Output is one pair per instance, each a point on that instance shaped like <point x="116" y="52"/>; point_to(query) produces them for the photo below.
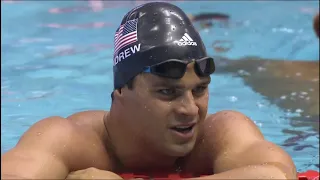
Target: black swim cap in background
<point x="152" y="33"/>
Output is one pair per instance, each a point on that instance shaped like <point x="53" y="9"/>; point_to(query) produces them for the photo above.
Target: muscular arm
<point x="243" y="153"/>
<point x="51" y="149"/>
<point x="39" y="153"/>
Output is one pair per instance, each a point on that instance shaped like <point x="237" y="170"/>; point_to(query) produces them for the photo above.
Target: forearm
<point x="32" y="164"/>
<point x="253" y="172"/>
<point x="93" y="173"/>
<point x="8" y="176"/>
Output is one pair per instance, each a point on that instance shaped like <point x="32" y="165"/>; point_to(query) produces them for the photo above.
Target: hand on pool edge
<point x="93" y="173"/>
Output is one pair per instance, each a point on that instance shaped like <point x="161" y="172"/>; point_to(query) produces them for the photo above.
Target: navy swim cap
<point x="152" y="33"/>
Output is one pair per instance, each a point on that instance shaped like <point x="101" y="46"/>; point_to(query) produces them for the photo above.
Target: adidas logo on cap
<point x="186" y="40"/>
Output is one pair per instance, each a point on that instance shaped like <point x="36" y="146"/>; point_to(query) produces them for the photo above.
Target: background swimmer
<point x="297" y="82"/>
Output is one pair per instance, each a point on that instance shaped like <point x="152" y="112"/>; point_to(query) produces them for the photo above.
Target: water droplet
<point x="39" y="133"/>
<point x="271" y="148"/>
<point x="64" y="146"/>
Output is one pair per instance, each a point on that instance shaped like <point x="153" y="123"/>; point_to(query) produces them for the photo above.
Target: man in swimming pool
<point x="158" y="121"/>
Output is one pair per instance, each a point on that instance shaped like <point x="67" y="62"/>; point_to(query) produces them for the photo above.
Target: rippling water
<point x="56" y="59"/>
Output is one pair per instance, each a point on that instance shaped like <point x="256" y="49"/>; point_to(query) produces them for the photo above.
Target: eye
<point x="199" y="90"/>
<point x="168" y="92"/>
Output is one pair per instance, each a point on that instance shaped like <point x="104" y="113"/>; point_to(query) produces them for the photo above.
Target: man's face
<point x="165" y="113"/>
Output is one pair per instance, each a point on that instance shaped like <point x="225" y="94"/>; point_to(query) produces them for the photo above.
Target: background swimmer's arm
<point x="242" y="152"/>
<point x="41" y="153"/>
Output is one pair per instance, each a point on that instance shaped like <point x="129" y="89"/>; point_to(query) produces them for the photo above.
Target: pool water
<point x="56" y="59"/>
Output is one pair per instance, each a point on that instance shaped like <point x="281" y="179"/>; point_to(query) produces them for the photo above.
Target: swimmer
<point x="292" y="85"/>
<point x="158" y="121"/>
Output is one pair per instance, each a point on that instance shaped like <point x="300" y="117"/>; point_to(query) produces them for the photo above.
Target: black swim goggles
<point x="176" y="69"/>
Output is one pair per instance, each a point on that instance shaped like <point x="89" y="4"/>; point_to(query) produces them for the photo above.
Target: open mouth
<point x="183" y="129"/>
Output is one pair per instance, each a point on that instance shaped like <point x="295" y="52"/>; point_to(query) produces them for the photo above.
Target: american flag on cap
<point x="126" y="35"/>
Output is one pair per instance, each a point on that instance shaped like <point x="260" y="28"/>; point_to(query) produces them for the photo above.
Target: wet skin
<point x="93" y="144"/>
<point x="92" y="140"/>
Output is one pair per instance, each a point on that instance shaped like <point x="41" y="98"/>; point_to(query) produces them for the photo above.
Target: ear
<point x="117" y="95"/>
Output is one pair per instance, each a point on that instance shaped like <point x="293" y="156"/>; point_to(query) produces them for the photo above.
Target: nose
<point x="187" y="106"/>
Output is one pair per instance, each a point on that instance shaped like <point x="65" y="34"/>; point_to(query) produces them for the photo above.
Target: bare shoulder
<point x="90" y="120"/>
<point x="228" y="126"/>
<point x="237" y="141"/>
<point x="70" y="139"/>
<point x="85" y="116"/>
<point x="228" y="119"/>
<point x="217" y="134"/>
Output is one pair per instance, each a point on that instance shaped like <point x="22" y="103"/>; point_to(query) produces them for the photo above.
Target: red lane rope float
<point x="308" y="175"/>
